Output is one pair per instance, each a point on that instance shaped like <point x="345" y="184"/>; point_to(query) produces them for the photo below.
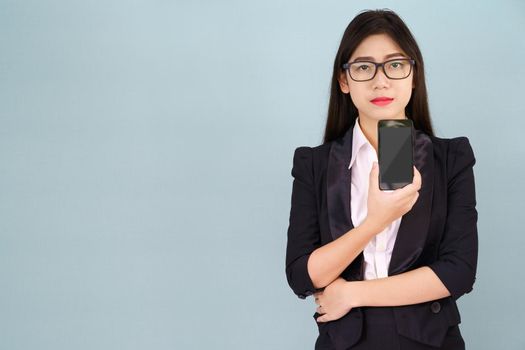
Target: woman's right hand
<point x="385" y="207"/>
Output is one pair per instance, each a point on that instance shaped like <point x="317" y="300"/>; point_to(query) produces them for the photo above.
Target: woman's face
<point x="378" y="48"/>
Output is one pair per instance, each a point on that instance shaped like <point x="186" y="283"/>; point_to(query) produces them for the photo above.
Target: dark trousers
<point x="379" y="333"/>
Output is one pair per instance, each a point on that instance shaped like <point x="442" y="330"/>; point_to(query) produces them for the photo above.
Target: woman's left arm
<point x="412" y="287"/>
<point x="454" y="272"/>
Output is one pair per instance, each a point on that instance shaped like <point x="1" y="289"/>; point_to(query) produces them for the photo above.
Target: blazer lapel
<point x="414" y="225"/>
<point x="413" y="230"/>
<point x="338" y="182"/>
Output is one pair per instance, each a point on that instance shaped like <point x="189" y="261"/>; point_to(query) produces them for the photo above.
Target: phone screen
<point x="395" y="153"/>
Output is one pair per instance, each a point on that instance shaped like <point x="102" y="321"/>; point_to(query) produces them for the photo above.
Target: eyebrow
<point x="369" y="58"/>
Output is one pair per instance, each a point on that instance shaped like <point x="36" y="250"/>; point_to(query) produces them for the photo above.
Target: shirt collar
<point x="358" y="140"/>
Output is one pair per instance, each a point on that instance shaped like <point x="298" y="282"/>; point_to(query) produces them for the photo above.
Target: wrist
<point x="353" y="293"/>
<point x="371" y="226"/>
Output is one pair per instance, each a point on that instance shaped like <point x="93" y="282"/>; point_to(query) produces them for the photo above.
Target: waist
<point x="378" y="315"/>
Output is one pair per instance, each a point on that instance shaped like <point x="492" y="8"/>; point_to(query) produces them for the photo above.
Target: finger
<point x="414" y="186"/>
<point x="323" y="318"/>
<point x="404" y="193"/>
<point x="414" y="200"/>
<point x="417" y="179"/>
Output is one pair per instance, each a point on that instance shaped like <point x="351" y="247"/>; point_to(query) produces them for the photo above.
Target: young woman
<point x="385" y="267"/>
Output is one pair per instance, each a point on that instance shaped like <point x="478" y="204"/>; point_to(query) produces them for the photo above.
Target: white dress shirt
<point x="378" y="251"/>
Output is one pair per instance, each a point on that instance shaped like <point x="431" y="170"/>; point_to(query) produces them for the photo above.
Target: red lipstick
<point x="382" y="101"/>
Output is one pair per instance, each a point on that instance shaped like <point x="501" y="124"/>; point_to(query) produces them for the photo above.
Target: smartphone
<point x="395" y="153"/>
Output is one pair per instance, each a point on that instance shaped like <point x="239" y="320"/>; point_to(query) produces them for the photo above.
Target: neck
<point x="369" y="128"/>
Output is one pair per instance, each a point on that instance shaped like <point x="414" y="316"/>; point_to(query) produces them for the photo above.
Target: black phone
<point x="395" y="153"/>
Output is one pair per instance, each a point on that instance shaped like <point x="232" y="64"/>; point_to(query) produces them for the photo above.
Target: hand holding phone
<point x="384" y="207"/>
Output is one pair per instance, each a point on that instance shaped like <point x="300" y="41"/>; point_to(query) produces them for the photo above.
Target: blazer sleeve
<point x="458" y="250"/>
<point x="303" y="229"/>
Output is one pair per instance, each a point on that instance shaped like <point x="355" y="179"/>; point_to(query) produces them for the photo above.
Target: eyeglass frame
<point x="412" y="62"/>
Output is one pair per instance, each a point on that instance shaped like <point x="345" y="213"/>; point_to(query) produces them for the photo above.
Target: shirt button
<point x="381" y="246"/>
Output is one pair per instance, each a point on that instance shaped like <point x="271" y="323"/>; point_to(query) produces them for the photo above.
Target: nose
<point x="381" y="79"/>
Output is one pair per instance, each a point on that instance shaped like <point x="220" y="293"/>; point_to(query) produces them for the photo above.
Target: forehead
<point x="378" y="47"/>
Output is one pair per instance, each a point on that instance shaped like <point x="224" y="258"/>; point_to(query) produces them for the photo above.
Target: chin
<point x="392" y="114"/>
<point x="387" y="115"/>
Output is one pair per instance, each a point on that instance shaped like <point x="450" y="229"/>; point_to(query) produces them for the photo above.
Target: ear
<point x="343" y="83"/>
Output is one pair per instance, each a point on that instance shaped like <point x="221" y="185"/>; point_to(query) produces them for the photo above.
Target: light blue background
<point x="145" y="157"/>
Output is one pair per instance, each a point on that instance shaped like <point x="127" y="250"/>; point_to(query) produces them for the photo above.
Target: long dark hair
<point x="342" y="112"/>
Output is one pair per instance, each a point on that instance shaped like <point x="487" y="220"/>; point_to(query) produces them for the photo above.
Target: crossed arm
<point x="326" y="263"/>
<point x="412" y="287"/>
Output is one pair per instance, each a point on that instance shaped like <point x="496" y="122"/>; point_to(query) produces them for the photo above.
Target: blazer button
<point x="435" y="307"/>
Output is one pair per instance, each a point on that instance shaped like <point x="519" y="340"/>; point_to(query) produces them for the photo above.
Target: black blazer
<point x="440" y="231"/>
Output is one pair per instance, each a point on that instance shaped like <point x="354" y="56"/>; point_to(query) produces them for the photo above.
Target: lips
<point x="382" y="99"/>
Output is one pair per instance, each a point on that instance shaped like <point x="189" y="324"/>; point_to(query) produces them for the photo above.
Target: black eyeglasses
<point x="399" y="68"/>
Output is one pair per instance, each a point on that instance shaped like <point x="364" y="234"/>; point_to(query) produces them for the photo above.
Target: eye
<point x="364" y="67"/>
<point x="396" y="65"/>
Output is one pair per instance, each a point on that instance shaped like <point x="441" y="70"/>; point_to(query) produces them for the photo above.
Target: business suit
<point x="440" y="231"/>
